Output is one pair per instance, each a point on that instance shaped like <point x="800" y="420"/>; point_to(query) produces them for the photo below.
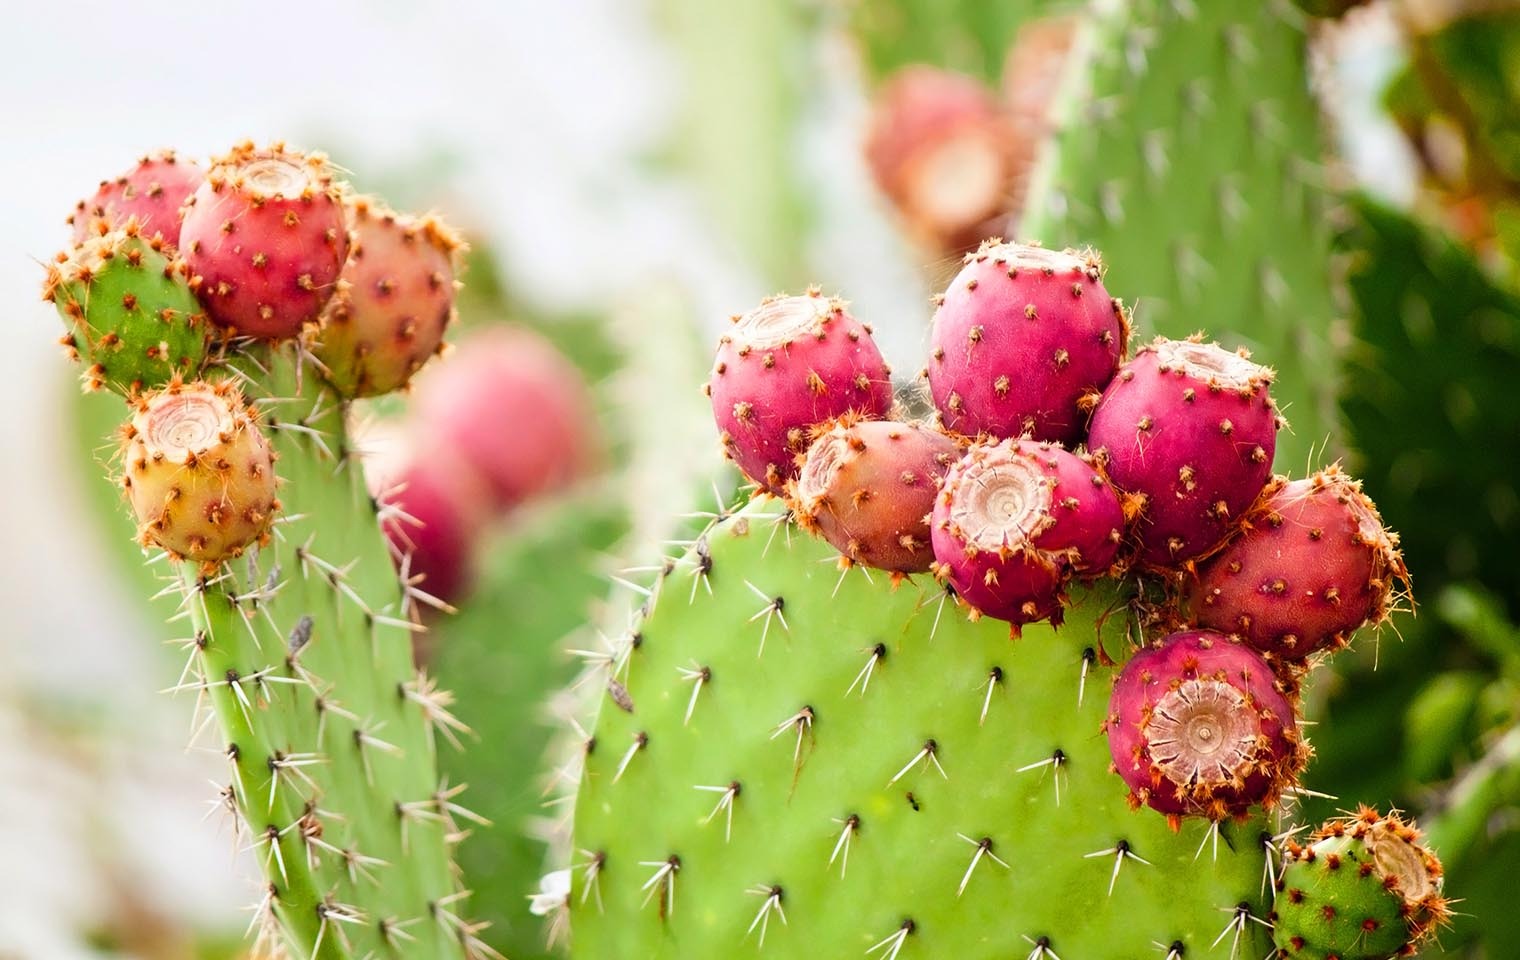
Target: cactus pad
<point x="846" y="768"/>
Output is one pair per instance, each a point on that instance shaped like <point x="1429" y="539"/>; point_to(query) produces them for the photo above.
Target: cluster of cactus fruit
<point x="1118" y="513"/>
<point x="238" y="309"/>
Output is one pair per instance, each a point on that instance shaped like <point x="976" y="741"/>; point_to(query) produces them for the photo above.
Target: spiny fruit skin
<point x="867" y="487"/>
<point x="389" y="315"/>
<point x="785" y="367"/>
<point x="942" y="150"/>
<point x="1363" y="888"/>
<point x="1015" y="520"/>
<point x="1024" y="341"/>
<point x="130" y="310"/>
<point x="266" y="233"/>
<point x="1191" y="429"/>
<point x="152" y="191"/>
<point x="1198" y="725"/>
<point x="1312" y="565"/>
<point x="198" y="472"/>
<point x="509" y="405"/>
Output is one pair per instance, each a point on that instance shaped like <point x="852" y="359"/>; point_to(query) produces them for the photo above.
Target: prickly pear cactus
<point x="237" y="464"/>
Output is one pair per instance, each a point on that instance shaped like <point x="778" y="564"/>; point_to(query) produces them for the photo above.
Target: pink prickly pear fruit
<point x="432" y="511"/>
<point x="785" y="367"/>
<point x="389" y="315"/>
<point x="867" y="487"/>
<point x="511" y="407"/>
<point x="266" y="234"/>
<point x="941" y="149"/>
<point x="1197" y="725"/>
<point x="1024" y="341"/>
<point x="198" y="472"/>
<point x="1312" y="565"/>
<point x="1015" y="520"/>
<point x="1031" y="77"/>
<point x="152" y="191"/>
<point x="1189" y="430"/>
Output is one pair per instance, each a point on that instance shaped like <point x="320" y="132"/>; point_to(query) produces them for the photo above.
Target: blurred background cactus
<point x="1339" y="195"/>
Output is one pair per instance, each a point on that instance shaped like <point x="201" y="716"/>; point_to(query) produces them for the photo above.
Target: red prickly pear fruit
<point x="1024" y="341"/>
<point x="198" y="472"/>
<point x="152" y="191"/>
<point x="785" y="367"/>
<point x="1189" y="430"/>
<point x="1015" y="520"/>
<point x="1197" y="725"/>
<point x="1031" y="77"/>
<point x="511" y="407"/>
<point x="942" y="150"/>
<point x="1312" y="565"/>
<point x="432" y="510"/>
<point x="389" y="315"/>
<point x="267" y="236"/>
<point x="868" y="487"/>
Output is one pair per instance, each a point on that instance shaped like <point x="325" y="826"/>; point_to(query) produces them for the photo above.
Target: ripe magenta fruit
<point x="1190" y="428"/>
<point x="868" y="487"/>
<point x="1024" y="341"/>
<point x="942" y="150"/>
<point x="1015" y="520"/>
<point x="152" y="191"/>
<point x="389" y="315"/>
<point x="1312" y="565"/>
<point x="1197" y="725"/>
<point x="511" y="407"/>
<point x="198" y="472"/>
<point x="785" y="367"/>
<point x="266" y="234"/>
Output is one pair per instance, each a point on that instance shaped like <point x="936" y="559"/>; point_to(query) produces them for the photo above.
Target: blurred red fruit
<point x="513" y="408"/>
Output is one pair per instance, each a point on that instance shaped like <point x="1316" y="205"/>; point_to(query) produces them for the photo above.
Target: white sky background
<point x="546" y="105"/>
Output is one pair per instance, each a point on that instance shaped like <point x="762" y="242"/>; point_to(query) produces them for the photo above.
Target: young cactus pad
<point x="303" y="651"/>
<point x="802" y="762"/>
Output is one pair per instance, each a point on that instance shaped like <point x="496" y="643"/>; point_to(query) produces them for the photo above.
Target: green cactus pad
<point x="877" y="723"/>
<point x="1188" y="153"/>
<point x="303" y="650"/>
<point x="131" y="315"/>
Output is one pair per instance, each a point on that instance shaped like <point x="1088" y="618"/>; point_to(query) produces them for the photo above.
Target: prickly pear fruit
<point x="152" y="191"/>
<point x="1015" y="520"/>
<point x="131" y="315"/>
<point x="785" y="367"/>
<point x="1312" y="565"/>
<point x="942" y="150"/>
<point x="1191" y="429"/>
<point x="432" y="516"/>
<point x="1363" y="888"/>
<point x="867" y="487"/>
<point x="1198" y="725"/>
<point x="198" y="472"/>
<point x="266" y="234"/>
<point x="1024" y="341"/>
<point x="511" y="407"/>
<point x="389" y="316"/>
